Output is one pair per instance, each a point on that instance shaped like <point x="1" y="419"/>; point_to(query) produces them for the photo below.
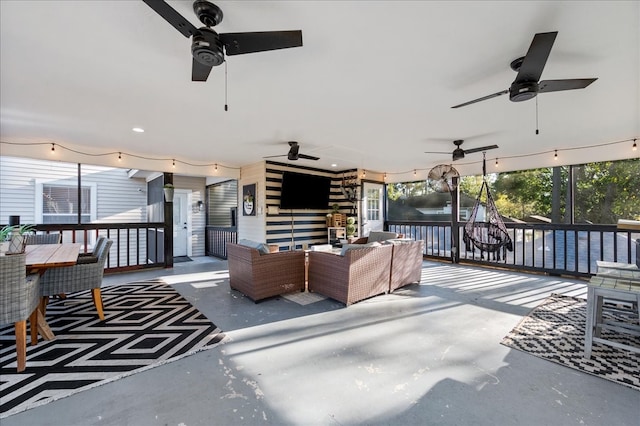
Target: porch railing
<point x="217" y="238"/>
<point x="135" y="245"/>
<point x="550" y="248"/>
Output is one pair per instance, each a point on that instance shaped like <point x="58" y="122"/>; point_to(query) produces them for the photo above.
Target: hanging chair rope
<point x="488" y="233"/>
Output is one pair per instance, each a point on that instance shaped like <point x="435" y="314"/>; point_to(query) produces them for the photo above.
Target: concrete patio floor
<point x="429" y="354"/>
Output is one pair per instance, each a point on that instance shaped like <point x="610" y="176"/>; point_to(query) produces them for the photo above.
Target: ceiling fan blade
<point x="484" y="98"/>
<point x="536" y="58"/>
<point x="308" y="157"/>
<point x="559" y="85"/>
<point x="240" y="43"/>
<point x="170" y="15"/>
<point x="274" y="156"/>
<point x="437" y="152"/>
<point x="199" y="72"/>
<point x="482" y="148"/>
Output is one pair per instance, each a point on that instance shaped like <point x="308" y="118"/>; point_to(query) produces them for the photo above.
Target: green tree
<point x="525" y="193"/>
<point x="607" y="191"/>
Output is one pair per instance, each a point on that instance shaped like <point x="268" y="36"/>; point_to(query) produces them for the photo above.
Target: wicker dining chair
<point x="55" y="238"/>
<point x="92" y="257"/>
<point x="79" y="277"/>
<point x="19" y="300"/>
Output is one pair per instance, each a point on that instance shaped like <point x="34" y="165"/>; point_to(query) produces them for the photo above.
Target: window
<point x="373" y="204"/>
<point x="57" y="202"/>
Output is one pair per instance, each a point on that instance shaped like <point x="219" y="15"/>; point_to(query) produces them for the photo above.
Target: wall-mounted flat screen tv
<point x="302" y="191"/>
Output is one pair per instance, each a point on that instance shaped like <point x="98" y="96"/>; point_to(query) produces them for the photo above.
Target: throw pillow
<point x="261" y="247"/>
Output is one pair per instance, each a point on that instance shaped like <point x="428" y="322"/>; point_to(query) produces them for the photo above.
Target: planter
<point x="168" y="194"/>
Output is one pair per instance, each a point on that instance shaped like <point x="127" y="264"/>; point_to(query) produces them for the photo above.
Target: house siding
<point x="252" y="227"/>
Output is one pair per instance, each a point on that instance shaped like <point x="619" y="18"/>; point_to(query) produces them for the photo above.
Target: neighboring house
<point x="44" y="192"/>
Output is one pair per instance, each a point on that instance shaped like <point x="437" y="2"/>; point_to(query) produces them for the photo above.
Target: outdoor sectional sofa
<point x="359" y="272"/>
<point x="366" y="270"/>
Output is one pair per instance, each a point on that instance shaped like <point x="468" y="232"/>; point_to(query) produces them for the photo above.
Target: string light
<point x="634" y="147"/>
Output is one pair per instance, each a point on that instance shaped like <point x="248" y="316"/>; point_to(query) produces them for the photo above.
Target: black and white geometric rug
<point x="555" y="331"/>
<point x="146" y="324"/>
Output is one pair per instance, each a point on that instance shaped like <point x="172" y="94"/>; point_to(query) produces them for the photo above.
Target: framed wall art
<point x="249" y="200"/>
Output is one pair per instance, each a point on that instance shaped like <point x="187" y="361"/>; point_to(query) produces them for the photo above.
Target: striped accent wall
<point x="297" y="228"/>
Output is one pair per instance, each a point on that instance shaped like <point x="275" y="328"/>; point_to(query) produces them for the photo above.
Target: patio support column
<point x="168" y="226"/>
<point x="555" y="194"/>
<point x="570" y="211"/>
<point x="455" y="225"/>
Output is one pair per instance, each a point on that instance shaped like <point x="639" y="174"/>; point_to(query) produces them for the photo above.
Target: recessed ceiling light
<point x="334" y="165"/>
<point x="138" y="129"/>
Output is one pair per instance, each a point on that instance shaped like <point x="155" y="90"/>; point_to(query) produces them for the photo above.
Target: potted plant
<point x="351" y="226"/>
<point x="14" y="236"/>
<point x="168" y="189"/>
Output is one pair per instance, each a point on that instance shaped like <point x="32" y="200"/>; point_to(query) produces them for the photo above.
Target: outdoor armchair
<point x="86" y="276"/>
<point x="19" y="300"/>
<point x="261" y="275"/>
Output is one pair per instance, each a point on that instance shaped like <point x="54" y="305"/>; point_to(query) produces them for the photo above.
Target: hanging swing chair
<point x="488" y="233"/>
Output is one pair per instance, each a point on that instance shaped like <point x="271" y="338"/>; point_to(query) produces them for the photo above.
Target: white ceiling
<point x="371" y="88"/>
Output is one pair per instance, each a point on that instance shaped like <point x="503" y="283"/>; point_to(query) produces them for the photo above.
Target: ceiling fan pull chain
<point x="226" y="107"/>
<point x="537" y="131"/>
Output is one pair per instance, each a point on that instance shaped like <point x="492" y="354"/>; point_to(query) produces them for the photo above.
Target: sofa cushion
<point x="399" y="241"/>
<point x="348" y="247"/>
<point x="381" y="236"/>
<point x="261" y="247"/>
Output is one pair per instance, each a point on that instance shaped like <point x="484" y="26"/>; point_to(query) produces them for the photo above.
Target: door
<point x="373" y="215"/>
<point x="181" y="223"/>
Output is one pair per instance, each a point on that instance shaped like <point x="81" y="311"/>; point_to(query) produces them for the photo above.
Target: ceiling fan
<point x="529" y="68"/>
<point x="208" y="48"/>
<point x="459" y="153"/>
<point x="294" y="153"/>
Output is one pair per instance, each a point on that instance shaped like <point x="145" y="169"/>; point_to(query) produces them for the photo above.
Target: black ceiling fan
<point x="294" y="153"/>
<point x="207" y="45"/>
<point x="459" y="153"/>
<point x="529" y="68"/>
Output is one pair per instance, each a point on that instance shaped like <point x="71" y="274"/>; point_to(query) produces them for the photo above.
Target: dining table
<point x="39" y="258"/>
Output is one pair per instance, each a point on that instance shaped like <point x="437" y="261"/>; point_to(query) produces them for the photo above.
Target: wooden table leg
<point x="43" y="327"/>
